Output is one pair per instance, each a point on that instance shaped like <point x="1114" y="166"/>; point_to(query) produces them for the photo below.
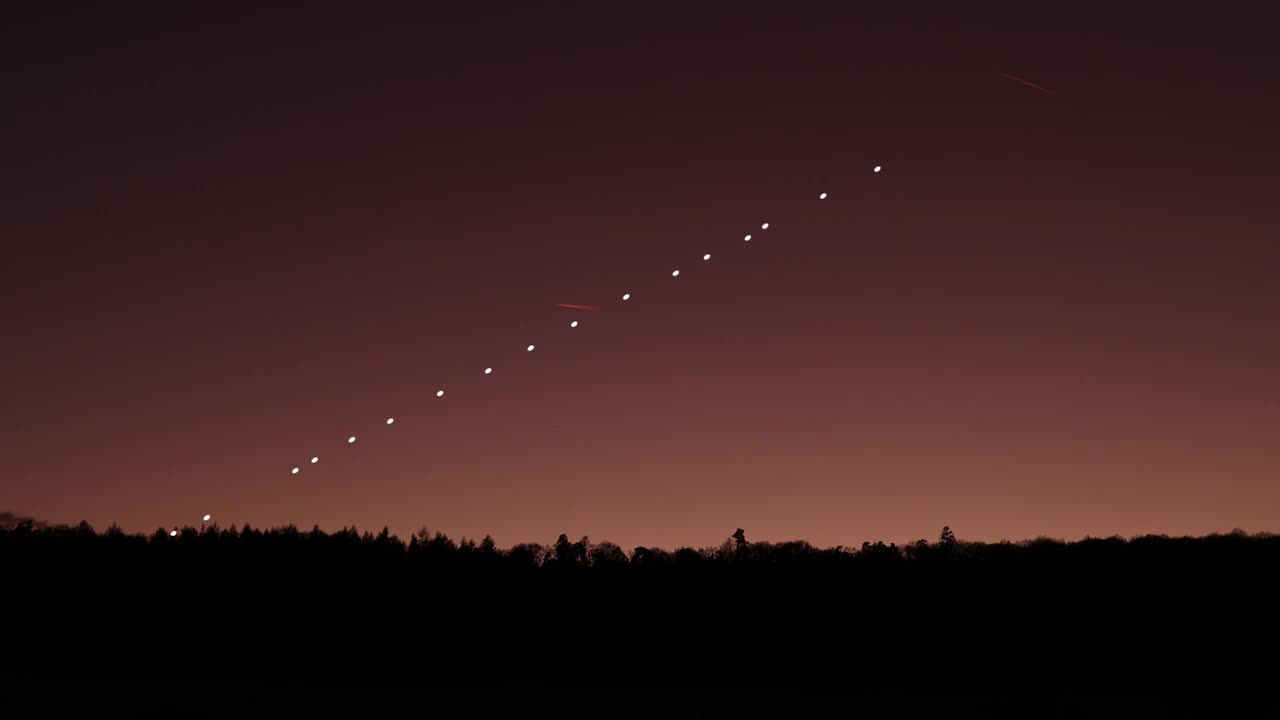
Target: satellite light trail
<point x="1028" y="83"/>
<point x="625" y="297"/>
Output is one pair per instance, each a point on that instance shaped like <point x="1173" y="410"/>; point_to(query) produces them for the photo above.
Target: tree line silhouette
<point x="301" y="606"/>
<point x="26" y="541"/>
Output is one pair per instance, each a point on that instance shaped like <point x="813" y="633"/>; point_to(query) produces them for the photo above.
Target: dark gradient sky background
<point x="232" y="239"/>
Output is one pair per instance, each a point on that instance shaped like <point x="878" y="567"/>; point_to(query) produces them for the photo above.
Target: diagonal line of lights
<point x="530" y="348"/>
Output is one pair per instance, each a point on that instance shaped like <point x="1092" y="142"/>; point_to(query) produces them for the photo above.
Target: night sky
<point x="233" y="239"/>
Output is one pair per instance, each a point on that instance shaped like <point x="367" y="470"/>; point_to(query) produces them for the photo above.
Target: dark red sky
<point x="233" y="239"/>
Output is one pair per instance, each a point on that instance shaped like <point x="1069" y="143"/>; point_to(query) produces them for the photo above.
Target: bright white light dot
<point x="747" y="238"/>
<point x="823" y="196"/>
<point x="626" y="296"/>
<point x="390" y="420"/>
<point x="315" y="460"/>
<point x="675" y="273"/>
<point x="529" y="349"/>
<point x="573" y="324"/>
<point x="173" y="533"/>
<point x="877" y="169"/>
<point x="351" y="439"/>
<point x="206" y="518"/>
<point x="488" y="371"/>
<point x="439" y="393"/>
<point x="295" y="471"/>
<point x="764" y="226"/>
<point x="707" y="256"/>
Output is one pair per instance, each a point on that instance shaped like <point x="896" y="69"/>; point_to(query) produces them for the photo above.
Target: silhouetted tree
<point x="687" y="557"/>
<point x="606" y="554"/>
<point x="526" y="555"/>
<point x="649" y="557"/>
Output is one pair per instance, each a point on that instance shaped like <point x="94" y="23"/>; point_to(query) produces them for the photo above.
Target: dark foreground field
<point x="248" y="619"/>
